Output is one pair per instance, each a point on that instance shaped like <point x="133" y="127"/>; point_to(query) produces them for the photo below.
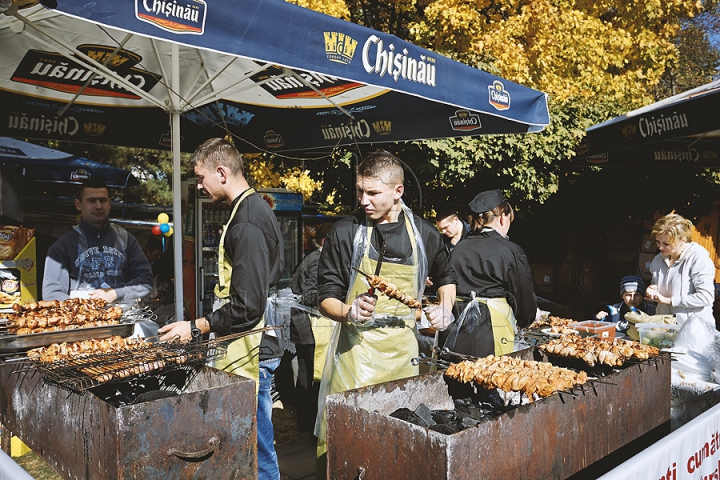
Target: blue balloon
<point x="164" y="227"/>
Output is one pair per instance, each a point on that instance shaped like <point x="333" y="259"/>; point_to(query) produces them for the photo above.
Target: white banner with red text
<point x="690" y="452"/>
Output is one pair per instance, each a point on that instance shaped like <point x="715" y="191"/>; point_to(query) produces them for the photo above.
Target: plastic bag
<point x="467" y="321"/>
<point x="696" y="334"/>
<point x="641" y="317"/>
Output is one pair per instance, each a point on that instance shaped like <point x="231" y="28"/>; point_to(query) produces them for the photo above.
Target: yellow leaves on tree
<point x="299" y="180"/>
<point x="573" y="50"/>
<point x="334" y="8"/>
<point x="262" y="174"/>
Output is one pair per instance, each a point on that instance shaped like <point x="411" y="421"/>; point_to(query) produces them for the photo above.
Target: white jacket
<point x="689" y="282"/>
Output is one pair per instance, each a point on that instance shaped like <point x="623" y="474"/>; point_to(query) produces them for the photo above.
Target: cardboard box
<point x="543" y="276"/>
<point x="589" y="283"/>
<point x="648" y="245"/>
<point x="622" y="238"/>
<point x="568" y="275"/>
<point x="644" y="261"/>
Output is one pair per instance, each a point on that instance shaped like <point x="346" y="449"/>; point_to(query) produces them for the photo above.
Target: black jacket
<point x="254" y="243"/>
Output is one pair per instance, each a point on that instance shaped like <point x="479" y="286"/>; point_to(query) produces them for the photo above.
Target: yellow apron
<point x="243" y="354"/>
<point x="322" y="331"/>
<point x="503" y="324"/>
<point x="378" y="353"/>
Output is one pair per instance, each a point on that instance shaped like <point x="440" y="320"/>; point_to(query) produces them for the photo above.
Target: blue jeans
<point x="268" y="468"/>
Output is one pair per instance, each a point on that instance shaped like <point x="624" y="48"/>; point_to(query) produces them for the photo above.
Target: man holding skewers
<point x="375" y="336"/>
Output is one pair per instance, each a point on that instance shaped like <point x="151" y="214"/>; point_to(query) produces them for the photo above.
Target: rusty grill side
<point x="554" y="437"/>
<point x="207" y="432"/>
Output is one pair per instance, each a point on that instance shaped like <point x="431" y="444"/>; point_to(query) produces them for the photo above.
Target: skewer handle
<point x="371" y="290"/>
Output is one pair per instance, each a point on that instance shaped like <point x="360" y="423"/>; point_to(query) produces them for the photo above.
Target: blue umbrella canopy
<point x="41" y="164"/>
<point x="278" y="76"/>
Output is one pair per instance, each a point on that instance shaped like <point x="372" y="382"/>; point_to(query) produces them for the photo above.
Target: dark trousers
<point x="306" y="391"/>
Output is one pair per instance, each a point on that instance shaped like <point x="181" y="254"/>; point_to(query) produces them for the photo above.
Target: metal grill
<point x="82" y="373"/>
<point x="555" y="437"/>
<point x="596" y="376"/>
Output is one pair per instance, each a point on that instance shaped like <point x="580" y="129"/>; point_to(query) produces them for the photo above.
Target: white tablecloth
<point x="692" y="449"/>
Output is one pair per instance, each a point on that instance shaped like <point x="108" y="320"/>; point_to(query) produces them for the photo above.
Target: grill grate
<point x="84" y="372"/>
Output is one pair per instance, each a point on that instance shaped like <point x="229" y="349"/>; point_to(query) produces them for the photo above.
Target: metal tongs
<point x="381" y="255"/>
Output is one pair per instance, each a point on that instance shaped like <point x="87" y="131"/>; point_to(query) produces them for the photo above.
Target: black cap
<point x="486" y="201"/>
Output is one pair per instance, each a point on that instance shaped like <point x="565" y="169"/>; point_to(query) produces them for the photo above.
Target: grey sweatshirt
<point x="87" y="258"/>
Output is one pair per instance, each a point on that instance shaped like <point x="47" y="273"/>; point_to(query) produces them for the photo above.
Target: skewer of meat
<point x="53" y="315"/>
<point x="511" y="374"/>
<point x="127" y="357"/>
<point x="390" y="290"/>
<point x="552" y="322"/>
<point x="70" y="350"/>
<point x="594" y="351"/>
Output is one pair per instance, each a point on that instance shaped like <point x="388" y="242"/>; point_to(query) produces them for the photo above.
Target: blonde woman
<point x="682" y="273"/>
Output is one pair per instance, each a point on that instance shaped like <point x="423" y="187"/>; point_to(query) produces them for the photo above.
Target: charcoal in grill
<point x="466" y="415"/>
<point x="409" y="416"/>
<point x="139" y="390"/>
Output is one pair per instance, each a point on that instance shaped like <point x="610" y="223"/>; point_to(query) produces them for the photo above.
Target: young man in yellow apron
<point x="374" y="338"/>
<point x="250" y="261"/>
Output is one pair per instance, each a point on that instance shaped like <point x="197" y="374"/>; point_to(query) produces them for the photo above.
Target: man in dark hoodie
<point x="96" y="259"/>
<point x="250" y="262"/>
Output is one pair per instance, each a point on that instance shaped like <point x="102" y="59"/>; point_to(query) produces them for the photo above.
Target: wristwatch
<point x="194" y="330"/>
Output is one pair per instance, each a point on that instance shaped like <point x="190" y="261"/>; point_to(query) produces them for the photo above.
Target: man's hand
<point x="440" y="317"/>
<point x="176" y="329"/>
<point x="107" y="294"/>
<point x="361" y="310"/>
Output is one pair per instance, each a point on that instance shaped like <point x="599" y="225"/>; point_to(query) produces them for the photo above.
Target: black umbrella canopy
<point x="684" y="128"/>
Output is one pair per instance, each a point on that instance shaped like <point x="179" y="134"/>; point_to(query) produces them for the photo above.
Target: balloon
<point x="156" y="230"/>
<point x="163" y="218"/>
<point x="169" y="232"/>
<point x="164" y="227"/>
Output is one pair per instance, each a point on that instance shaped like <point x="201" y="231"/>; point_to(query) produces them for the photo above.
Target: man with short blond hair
<point x="250" y="262"/>
<point x="375" y="335"/>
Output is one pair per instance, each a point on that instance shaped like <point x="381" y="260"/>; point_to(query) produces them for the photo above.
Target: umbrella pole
<point x="176" y="188"/>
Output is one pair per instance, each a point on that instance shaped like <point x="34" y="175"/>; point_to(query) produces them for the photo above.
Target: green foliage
<point x="596" y="59"/>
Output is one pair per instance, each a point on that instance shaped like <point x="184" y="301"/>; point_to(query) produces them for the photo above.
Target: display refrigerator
<point x="210" y="221"/>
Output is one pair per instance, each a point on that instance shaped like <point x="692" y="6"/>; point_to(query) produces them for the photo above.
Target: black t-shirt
<point x="334" y="269"/>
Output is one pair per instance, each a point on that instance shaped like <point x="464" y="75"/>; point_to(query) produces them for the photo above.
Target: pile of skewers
<point x="515" y="375"/>
<point x="55" y="315"/>
<point x="594" y="350"/>
<point x="70" y="350"/>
